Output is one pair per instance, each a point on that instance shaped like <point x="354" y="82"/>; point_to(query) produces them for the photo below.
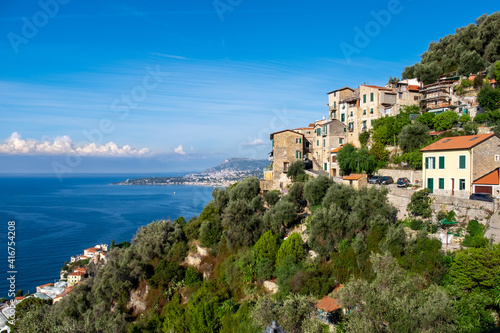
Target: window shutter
<point x="462" y="162"/>
<point x="427" y="163"/>
<point x="441" y="162"/>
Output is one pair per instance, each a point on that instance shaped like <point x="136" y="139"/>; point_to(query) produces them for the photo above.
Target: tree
<point x="428" y="72"/>
<point x="245" y="189"/>
<point x="489" y="98"/>
<point x="471" y="128"/>
<point x="494" y="71"/>
<point x="383" y="304"/>
<point x="364" y="137"/>
<point x="347" y="159"/>
<point x="280" y="216"/>
<point x="471" y="62"/>
<point x="315" y="189"/>
<point x="272" y="197"/>
<point x="267" y="247"/>
<point x="420" y="204"/>
<point x="327" y="227"/>
<point x="427" y="119"/>
<point x="413" y="136"/>
<point x="242" y="227"/>
<point x="292" y="247"/>
<point x="296" y="171"/>
<point x="379" y="153"/>
<point x="408" y="72"/>
<point x="445" y="121"/>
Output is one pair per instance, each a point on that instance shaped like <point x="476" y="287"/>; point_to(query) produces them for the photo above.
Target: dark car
<point x="481" y="196"/>
<point x="385" y="180"/>
<point x="373" y="180"/>
<point x="403" y="182"/>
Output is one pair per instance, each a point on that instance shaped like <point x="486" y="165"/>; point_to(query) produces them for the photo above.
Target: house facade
<point x="358" y="108"/>
<point x="452" y="165"/>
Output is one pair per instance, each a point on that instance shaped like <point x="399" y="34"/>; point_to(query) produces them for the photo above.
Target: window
<point x="345" y="129"/>
<point x="317" y="143"/>
<point x="341" y="141"/>
<point x="364" y="124"/>
<point x="342" y="117"/>
<point x="441" y="183"/>
<point x="364" y="98"/>
<point x="298" y="140"/>
<point x="461" y="184"/>
<point x="334" y="158"/>
<point x="325" y="166"/>
<point x="307" y="144"/>
<point x="285" y="166"/>
<point x="371" y="97"/>
<point x="430" y="162"/>
<point x="371" y="110"/>
<point x="351" y="113"/>
<point x="298" y="154"/>
<point x="461" y="162"/>
<point x="325" y="129"/>
<point x="371" y="122"/>
<point x="441" y="162"/>
<point x="415" y="98"/>
<point x="334" y="114"/>
<point x="334" y="105"/>
<point x="364" y="112"/>
<point x="497" y="158"/>
<point x="272" y="143"/>
<point x="318" y="131"/>
<point x="324" y="143"/>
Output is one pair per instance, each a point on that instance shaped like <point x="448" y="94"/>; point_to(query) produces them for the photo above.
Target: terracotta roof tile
<point x="377" y="87"/>
<point x="490" y="178"/>
<point x="354" y="176"/>
<point x="339" y="90"/>
<point x="328" y="304"/>
<point x="457" y="142"/>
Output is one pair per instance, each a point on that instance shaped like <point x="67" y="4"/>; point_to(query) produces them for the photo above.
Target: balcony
<point x="387" y="98"/>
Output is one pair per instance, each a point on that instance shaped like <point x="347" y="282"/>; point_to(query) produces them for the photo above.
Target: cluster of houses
<point x="456" y="166"/>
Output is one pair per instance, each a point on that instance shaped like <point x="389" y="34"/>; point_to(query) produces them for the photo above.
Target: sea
<point x="54" y="219"/>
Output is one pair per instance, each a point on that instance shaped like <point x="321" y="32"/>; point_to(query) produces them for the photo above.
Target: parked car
<point x="373" y="179"/>
<point x="481" y="196"/>
<point x="403" y="182"/>
<point x="385" y="180"/>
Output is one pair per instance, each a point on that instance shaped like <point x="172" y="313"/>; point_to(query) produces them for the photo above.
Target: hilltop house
<point x="462" y="165"/>
<point x="358" y="108"/>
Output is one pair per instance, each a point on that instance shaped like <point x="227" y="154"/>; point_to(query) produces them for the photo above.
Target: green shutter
<point x="371" y="110"/>
<point x="461" y="162"/>
<point x="334" y="105"/>
<point x="441" y="183"/>
<point x="364" y="98"/>
<point x="371" y="97"/>
<point x="441" y="163"/>
<point x="427" y="163"/>
<point x="317" y="142"/>
<point x="300" y="140"/>
<point x="343" y="117"/>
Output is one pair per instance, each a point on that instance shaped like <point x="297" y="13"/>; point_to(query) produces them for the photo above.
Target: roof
<point x="303" y="128"/>
<point x="413" y="87"/>
<point x="287" y="130"/>
<point x="336" y="150"/>
<point x="436" y="132"/>
<point x="344" y="88"/>
<point x="46" y="285"/>
<point x="377" y="87"/>
<point x="354" y="176"/>
<point x="76" y="274"/>
<point x="92" y="249"/>
<point x="490" y="178"/>
<point x="458" y="142"/>
<point x="20" y="298"/>
<point x="328" y="304"/>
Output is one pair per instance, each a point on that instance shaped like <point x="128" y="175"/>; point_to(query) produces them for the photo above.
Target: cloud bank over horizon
<point x="63" y="145"/>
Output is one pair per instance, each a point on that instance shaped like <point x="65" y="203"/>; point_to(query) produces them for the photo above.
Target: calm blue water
<point x="57" y="219"/>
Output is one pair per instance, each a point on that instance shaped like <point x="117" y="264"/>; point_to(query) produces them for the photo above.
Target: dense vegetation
<point x="393" y="281"/>
<point x="471" y="49"/>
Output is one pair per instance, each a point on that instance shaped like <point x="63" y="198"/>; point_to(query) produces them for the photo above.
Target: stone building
<point x="452" y="165"/>
<point x="358" y="108"/>
<point x="288" y="146"/>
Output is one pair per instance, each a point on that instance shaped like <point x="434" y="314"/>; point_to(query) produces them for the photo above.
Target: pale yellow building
<point x="451" y="165"/>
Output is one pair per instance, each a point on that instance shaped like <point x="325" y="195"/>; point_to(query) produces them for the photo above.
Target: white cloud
<point x="179" y="150"/>
<point x="256" y="142"/>
<point x="62" y="145"/>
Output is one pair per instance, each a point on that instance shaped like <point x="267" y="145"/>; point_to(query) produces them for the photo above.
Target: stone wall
<point x="484" y="157"/>
<point x="464" y="209"/>
<point x="415" y="176"/>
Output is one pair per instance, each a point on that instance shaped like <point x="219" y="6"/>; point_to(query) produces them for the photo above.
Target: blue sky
<point x="124" y="86"/>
